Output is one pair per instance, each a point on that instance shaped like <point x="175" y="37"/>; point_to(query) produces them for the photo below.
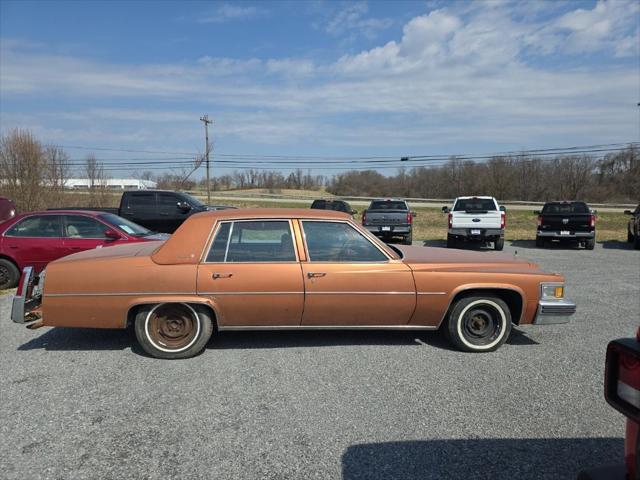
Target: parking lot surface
<point x="352" y="405"/>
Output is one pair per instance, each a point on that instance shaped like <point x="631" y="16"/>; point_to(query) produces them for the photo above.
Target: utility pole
<point x="206" y="121"/>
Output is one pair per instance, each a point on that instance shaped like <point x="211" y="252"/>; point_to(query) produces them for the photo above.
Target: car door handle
<point x="315" y="274"/>
<point x="221" y="275"/>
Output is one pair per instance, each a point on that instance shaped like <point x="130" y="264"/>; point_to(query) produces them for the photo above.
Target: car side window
<point x="77" y="226"/>
<point x="219" y="246"/>
<point x="168" y="203"/>
<point x="142" y="201"/>
<point x="37" y="226"/>
<point x="253" y="241"/>
<point x="338" y="242"/>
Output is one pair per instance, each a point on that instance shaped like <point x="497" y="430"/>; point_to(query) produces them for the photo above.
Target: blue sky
<point x="321" y="78"/>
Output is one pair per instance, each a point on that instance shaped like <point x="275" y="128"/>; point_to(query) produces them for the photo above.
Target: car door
<point x="35" y="240"/>
<point x="349" y="281"/>
<point x="252" y="274"/>
<point x="141" y="208"/>
<point x="171" y="215"/>
<point x="84" y="233"/>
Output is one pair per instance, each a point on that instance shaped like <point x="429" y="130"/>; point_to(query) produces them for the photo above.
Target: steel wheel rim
<point x="4" y="275"/>
<point x="482" y="324"/>
<point x="172" y="327"/>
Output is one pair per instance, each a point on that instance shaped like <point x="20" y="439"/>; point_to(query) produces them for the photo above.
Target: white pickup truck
<point x="478" y="219"/>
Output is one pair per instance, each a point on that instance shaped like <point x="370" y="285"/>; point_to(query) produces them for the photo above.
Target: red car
<point x="37" y="238"/>
<point x="622" y="391"/>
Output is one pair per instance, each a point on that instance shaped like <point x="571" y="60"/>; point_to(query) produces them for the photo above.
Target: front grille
<point x="558" y="309"/>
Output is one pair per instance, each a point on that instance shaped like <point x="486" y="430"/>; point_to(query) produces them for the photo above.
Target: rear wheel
<point x="590" y="244"/>
<point x="408" y="240"/>
<point x="173" y="330"/>
<point x="451" y="241"/>
<point x="636" y="242"/>
<point x="479" y="324"/>
<point x="539" y="242"/>
<point x="499" y="243"/>
<point x="629" y="236"/>
<point x="9" y="274"/>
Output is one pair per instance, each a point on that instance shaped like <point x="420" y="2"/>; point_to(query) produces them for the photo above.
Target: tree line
<point x="34" y="175"/>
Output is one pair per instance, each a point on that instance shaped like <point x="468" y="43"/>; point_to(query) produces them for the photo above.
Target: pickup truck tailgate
<point x="570" y="221"/>
<point x="491" y="219"/>
<point x="386" y="218"/>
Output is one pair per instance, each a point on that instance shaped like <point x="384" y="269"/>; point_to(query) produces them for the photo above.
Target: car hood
<point x="432" y="258"/>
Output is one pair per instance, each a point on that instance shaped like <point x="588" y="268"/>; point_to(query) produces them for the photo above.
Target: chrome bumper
<point x="558" y="235"/>
<point x="23" y="302"/>
<point x="554" y="311"/>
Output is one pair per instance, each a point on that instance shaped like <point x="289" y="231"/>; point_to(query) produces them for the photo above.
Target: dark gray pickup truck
<point x="388" y="218"/>
<point x="566" y="222"/>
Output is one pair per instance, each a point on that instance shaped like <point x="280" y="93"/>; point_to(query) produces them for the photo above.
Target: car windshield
<point x="125" y="225"/>
<point x="194" y="202"/>
<point x="475" y="205"/>
<point x="388" y="205"/>
<point x="565" y="208"/>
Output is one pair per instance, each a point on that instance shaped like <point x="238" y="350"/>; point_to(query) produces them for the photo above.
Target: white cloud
<point x="352" y="20"/>
<point x="228" y="12"/>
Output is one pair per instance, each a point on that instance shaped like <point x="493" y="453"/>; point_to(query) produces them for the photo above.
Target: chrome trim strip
<point x="360" y="293"/>
<point x="432" y="293"/>
<point x="326" y="327"/>
<point x="301" y="292"/>
<point x="117" y="294"/>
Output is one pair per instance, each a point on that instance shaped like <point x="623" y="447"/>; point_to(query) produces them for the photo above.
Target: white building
<point x="116" y="183"/>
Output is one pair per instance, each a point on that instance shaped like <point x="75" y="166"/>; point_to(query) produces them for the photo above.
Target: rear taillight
<point x="592" y="221"/>
<point x="450" y="220"/>
<point x="539" y="220"/>
<point x="409" y="218"/>
<point x="503" y="219"/>
<point x="622" y="377"/>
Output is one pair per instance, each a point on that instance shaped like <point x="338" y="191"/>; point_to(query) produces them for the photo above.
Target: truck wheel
<point x="499" y="243"/>
<point x="451" y="241"/>
<point x="9" y="274"/>
<point x="629" y="236"/>
<point x="636" y="243"/>
<point x="173" y="330"/>
<point x="590" y="244"/>
<point x="539" y="242"/>
<point x="408" y="240"/>
<point x="479" y="324"/>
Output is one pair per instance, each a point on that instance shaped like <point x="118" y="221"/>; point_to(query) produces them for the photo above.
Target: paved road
<point x="88" y="404"/>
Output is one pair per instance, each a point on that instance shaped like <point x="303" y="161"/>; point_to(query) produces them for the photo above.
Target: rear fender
<point x="153" y="300"/>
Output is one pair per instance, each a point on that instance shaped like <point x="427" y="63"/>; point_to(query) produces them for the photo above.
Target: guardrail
<point x="444" y="201"/>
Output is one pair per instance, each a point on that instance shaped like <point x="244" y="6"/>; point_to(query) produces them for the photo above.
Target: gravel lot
<point x="362" y="405"/>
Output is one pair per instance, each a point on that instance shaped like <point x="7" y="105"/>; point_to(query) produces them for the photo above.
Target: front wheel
<point x="499" y="243"/>
<point x="9" y="274"/>
<point x="173" y="330"/>
<point x="479" y="324"/>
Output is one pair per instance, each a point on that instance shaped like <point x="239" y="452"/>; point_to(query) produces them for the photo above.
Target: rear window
<point x="565" y="208"/>
<point x="330" y="205"/>
<point x="388" y="205"/>
<point x="475" y="205"/>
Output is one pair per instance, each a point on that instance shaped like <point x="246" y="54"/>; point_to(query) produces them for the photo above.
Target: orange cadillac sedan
<point x="287" y="269"/>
